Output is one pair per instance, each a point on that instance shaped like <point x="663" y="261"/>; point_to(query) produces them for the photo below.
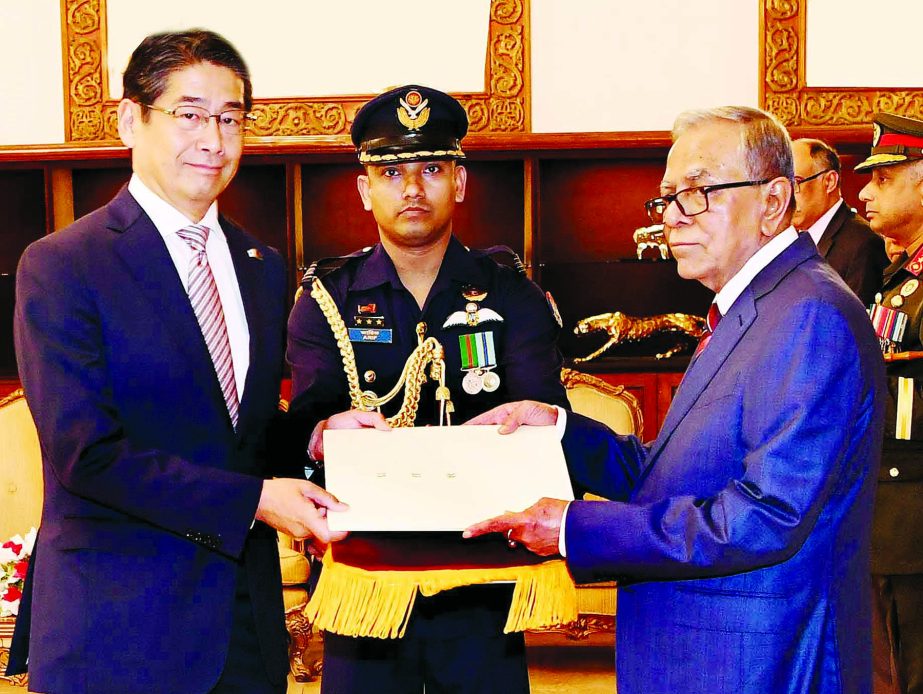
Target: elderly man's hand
<point x="510" y="416"/>
<point x="537" y="528"/>
<point x="351" y="419"/>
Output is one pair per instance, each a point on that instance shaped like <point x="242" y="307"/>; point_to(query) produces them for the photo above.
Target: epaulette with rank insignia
<point x="324" y="266"/>
<point x="502" y="255"/>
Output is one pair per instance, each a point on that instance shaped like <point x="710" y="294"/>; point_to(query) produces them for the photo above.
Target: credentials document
<point x="440" y="478"/>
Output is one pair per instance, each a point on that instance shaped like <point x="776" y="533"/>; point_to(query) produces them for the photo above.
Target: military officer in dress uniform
<point x="894" y="208"/>
<point x="499" y="333"/>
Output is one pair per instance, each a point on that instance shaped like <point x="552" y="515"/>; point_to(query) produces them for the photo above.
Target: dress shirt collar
<point x="165" y="217"/>
<point x="757" y="262"/>
<point x="817" y="229"/>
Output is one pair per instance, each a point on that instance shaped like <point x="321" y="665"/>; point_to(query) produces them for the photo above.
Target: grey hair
<point x="766" y="144"/>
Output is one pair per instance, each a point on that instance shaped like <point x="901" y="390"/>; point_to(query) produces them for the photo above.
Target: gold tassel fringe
<point x="356" y="602"/>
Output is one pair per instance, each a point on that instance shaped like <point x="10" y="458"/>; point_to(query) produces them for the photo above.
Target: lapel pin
<point x="255" y="253"/>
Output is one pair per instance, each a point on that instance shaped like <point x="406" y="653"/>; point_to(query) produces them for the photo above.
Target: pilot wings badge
<point x="414" y="111"/>
<point x="472" y="316"/>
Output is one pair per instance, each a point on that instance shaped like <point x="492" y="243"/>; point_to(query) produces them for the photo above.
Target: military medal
<point x="889" y="326"/>
<point x="909" y="287"/>
<point x="472" y="383"/>
<point x="478" y="357"/>
<point x="897" y="301"/>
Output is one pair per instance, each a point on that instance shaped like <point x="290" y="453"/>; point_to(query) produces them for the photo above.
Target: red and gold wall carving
<point x="91" y="114"/>
<point x="783" y="87"/>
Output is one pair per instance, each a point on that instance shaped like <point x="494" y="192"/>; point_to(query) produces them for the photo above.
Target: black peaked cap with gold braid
<point x="410" y="123"/>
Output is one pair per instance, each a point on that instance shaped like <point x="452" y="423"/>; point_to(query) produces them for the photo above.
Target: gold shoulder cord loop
<point x="427" y="352"/>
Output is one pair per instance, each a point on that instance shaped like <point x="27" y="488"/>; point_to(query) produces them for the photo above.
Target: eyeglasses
<point x="799" y="180"/>
<point x="691" y="201"/>
<point x="192" y="118"/>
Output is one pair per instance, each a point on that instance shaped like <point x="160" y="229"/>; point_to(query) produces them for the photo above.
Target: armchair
<point x="618" y="409"/>
<point x="20" y="491"/>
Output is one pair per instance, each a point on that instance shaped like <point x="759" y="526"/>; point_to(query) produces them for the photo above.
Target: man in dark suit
<point x="894" y="204"/>
<point x="842" y="237"/>
<point x="149" y="336"/>
<point x="740" y="536"/>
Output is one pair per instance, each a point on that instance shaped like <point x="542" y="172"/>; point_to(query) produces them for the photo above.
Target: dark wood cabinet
<point x="567" y="203"/>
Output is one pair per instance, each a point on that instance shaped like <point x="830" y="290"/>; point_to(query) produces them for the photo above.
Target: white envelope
<point x="440" y="478"/>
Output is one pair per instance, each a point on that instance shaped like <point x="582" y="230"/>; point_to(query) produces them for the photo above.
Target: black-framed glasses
<point x="691" y="201"/>
<point x="799" y="180"/>
<point x="192" y="118"/>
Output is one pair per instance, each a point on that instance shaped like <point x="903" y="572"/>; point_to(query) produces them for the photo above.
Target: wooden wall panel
<point x="7" y="353"/>
<point x="335" y="222"/>
<point x="95" y="187"/>
<point x="255" y="199"/>
<point x="590" y="207"/>
<point x="493" y="211"/>
<point x="22" y="201"/>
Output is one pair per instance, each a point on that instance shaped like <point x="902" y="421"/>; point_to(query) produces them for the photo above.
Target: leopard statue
<point x="623" y="328"/>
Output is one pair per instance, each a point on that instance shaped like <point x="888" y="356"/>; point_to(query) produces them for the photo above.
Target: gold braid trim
<point x="412" y="377"/>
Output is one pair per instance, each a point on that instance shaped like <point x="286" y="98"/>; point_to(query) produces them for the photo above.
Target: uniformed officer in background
<point x="499" y="333"/>
<point x="894" y="208"/>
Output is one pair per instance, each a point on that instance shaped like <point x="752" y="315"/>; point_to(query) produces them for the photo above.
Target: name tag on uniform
<point x="380" y="335"/>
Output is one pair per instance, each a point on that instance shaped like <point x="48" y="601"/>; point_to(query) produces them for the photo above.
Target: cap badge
<point x="414" y="111"/>
<point x="876" y="134"/>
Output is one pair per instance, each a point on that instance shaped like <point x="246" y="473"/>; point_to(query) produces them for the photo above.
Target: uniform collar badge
<point x="915" y="265"/>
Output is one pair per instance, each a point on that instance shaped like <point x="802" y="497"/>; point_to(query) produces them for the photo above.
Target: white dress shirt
<point x="168" y="221"/>
<point x="725" y="299"/>
<point x="817" y="229"/>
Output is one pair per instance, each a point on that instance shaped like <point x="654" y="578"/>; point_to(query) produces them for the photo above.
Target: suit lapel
<point x="703" y="368"/>
<point x="141" y="248"/>
<point x="727" y="336"/>
<point x="250" y="279"/>
<point x="833" y="228"/>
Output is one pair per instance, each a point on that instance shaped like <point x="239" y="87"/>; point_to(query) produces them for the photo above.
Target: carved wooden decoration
<point x="783" y="88"/>
<point x="91" y="115"/>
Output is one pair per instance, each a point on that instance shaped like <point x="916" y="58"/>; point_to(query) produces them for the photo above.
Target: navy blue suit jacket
<point x="149" y="491"/>
<point x="740" y="537"/>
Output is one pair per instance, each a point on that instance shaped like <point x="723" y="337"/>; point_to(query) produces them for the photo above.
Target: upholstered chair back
<point x="20" y="468"/>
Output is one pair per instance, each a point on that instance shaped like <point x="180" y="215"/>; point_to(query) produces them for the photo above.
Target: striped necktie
<point x="711" y="322"/>
<point x="206" y="304"/>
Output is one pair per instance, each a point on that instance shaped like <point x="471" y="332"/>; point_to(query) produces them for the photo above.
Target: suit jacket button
<point x="894" y="472"/>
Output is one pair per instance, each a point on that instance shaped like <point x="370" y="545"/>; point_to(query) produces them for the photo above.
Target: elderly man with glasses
<point x="740" y="536"/>
<point x="843" y="238"/>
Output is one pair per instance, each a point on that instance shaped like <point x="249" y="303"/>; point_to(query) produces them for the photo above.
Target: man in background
<point x="499" y="334"/>
<point x="842" y="237"/>
<point x="894" y="206"/>
<point x="740" y="536"/>
<point x="149" y="337"/>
